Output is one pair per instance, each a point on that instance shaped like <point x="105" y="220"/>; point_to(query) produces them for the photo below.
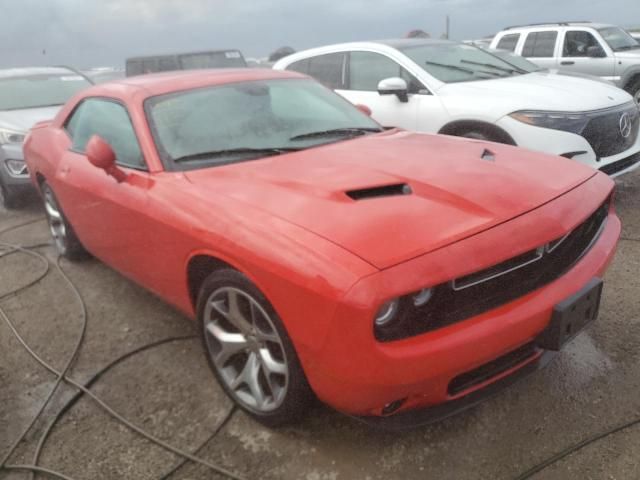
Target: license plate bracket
<point x="571" y="316"/>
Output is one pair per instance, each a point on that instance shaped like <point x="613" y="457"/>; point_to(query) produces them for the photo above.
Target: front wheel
<point x="634" y="89"/>
<point x="249" y="350"/>
<point x="8" y="197"/>
<point x="65" y="239"/>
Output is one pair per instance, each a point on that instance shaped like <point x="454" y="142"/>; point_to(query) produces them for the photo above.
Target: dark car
<point x="185" y="61"/>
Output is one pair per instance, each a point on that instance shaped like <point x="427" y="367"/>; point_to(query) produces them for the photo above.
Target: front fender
<point x="628" y="75"/>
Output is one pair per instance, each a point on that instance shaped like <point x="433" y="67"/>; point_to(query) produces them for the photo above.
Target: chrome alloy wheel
<point x="56" y="221"/>
<point x="246" y="349"/>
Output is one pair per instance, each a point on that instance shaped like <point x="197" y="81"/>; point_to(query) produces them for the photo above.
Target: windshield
<point x="618" y="39"/>
<point x="230" y="123"/>
<point x="517" y="61"/>
<point x="452" y="62"/>
<point x="35" y="91"/>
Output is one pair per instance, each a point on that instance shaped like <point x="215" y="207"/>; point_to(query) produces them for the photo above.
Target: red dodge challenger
<point x="398" y="277"/>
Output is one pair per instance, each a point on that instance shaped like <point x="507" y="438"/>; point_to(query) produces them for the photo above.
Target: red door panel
<point x="106" y="215"/>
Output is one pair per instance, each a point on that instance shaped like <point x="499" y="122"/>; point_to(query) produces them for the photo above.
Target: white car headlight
<point x="11" y="136"/>
<point x="568" y="122"/>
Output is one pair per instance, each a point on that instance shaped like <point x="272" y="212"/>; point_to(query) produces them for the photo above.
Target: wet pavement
<point x="592" y="385"/>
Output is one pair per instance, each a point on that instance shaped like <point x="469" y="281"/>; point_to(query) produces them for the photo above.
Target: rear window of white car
<point x="540" y="44"/>
<point x="509" y="42"/>
<point x="327" y="69"/>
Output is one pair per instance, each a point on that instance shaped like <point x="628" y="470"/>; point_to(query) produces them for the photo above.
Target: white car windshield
<point x="517" y="61"/>
<point x="34" y="91"/>
<point x="618" y="39"/>
<point x="453" y="63"/>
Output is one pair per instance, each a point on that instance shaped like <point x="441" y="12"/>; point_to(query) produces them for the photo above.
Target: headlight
<point x="387" y="313"/>
<point x="16" y="167"/>
<point x="567" y="122"/>
<point x="421" y="298"/>
<point x="11" y="136"/>
<point x="396" y="315"/>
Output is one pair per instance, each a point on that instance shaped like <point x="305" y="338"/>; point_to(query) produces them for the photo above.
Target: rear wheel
<point x="65" y="239"/>
<point x="249" y="350"/>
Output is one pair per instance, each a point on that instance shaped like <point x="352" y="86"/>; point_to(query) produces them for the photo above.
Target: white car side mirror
<point x="394" y="86"/>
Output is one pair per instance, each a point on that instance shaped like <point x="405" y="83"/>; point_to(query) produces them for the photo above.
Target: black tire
<point x="8" y="198"/>
<point x="475" y="131"/>
<point x="295" y="401"/>
<point x="634" y="89"/>
<point x="66" y="241"/>
<point x="476" y="135"/>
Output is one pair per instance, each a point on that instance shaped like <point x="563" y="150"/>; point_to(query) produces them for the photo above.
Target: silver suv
<point x="597" y="49"/>
<point x="28" y="96"/>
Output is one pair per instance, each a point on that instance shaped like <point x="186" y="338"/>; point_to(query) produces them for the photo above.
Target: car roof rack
<point x="561" y="24"/>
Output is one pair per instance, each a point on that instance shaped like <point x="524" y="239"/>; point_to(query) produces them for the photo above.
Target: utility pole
<point x="447" y="30"/>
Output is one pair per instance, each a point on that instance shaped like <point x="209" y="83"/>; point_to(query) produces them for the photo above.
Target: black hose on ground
<point x="78" y="395"/>
<point x="574" y="448"/>
<point x="62" y="376"/>
<point x="71" y="358"/>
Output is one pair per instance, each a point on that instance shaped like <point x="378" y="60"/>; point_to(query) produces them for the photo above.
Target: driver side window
<point x="110" y="120"/>
<point x="367" y="69"/>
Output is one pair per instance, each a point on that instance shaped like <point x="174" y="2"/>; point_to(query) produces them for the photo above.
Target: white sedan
<point x="446" y="87"/>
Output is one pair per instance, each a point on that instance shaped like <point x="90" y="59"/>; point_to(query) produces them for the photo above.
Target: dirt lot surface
<point x="593" y="385"/>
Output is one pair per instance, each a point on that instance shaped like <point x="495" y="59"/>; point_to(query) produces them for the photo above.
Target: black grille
<point x="621" y="165"/>
<point x="489" y="370"/>
<point x="603" y="132"/>
<point x="448" y="305"/>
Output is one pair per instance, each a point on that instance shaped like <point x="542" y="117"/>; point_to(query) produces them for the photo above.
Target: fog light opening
<point x="392" y="407"/>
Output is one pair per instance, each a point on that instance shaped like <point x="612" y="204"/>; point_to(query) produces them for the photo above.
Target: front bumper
<point x="360" y="376"/>
<point x="425" y="416"/>
<point x="557" y="142"/>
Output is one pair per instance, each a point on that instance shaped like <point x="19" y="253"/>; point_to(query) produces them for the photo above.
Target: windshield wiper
<point x="502" y="69"/>
<point x="451" y="67"/>
<point x="234" y="151"/>
<point x="351" y="131"/>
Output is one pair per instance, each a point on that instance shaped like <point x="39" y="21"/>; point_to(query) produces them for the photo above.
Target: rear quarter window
<point x="329" y="70"/>
<point x="508" y="42"/>
<point x="301" y="66"/>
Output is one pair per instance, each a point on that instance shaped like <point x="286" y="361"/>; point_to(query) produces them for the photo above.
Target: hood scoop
<point x="488" y="156"/>
<point x="398" y="189"/>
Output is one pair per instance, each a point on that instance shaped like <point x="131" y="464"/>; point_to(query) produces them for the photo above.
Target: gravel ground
<point x="593" y="385"/>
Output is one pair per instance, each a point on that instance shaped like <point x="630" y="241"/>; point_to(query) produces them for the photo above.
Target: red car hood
<point x="455" y="191"/>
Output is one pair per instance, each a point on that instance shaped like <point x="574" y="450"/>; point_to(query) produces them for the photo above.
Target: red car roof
<point x="167" y="82"/>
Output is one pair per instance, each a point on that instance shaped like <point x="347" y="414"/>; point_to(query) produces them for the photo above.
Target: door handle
<point x="567" y="63"/>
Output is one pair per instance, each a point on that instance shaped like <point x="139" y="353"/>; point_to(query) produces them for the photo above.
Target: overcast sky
<point x="103" y="32"/>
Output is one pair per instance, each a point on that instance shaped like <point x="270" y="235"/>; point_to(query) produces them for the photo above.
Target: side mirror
<point x="101" y="155"/>
<point x="364" y="109"/>
<point x="596" y="51"/>
<point x="394" y="86"/>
